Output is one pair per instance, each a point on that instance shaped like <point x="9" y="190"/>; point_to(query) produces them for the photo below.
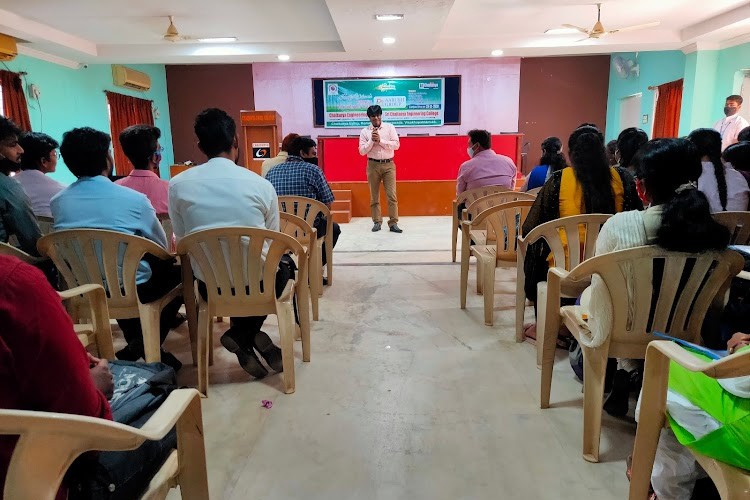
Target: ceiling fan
<point x="172" y="35"/>
<point x="598" y="30"/>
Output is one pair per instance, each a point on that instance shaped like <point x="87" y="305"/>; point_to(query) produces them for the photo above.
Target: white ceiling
<point x="105" y="31"/>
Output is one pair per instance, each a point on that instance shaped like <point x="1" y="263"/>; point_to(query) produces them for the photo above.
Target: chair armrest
<point x="79" y="290"/>
<point x="735" y="365"/>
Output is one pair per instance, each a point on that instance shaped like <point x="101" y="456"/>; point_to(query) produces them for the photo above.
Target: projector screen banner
<point x="406" y="102"/>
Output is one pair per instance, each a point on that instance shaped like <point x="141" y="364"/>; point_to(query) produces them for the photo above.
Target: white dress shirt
<point x="40" y="189"/>
<point x="220" y="193"/>
<point x="729" y="128"/>
<point x="382" y="150"/>
<point x="738" y="192"/>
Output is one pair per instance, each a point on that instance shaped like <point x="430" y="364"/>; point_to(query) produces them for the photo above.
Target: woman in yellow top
<point x="589" y="186"/>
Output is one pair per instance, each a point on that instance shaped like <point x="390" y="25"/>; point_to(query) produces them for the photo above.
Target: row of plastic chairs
<point x="679" y="310"/>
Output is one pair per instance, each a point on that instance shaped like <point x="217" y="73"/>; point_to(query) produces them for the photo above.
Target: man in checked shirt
<point x="379" y="141"/>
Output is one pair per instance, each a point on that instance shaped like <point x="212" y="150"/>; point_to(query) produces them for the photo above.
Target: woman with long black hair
<point x="725" y="188"/>
<point x="551" y="161"/>
<point x="589" y="186"/>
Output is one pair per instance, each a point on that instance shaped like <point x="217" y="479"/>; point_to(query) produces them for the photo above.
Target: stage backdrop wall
<point x="489" y="91"/>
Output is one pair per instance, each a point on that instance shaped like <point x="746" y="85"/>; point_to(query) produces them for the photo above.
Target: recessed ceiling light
<point x="561" y="31"/>
<point x="218" y="39"/>
<point x="388" y="40"/>
<point x="283" y="57"/>
<point x="389" y="17"/>
<point x="497" y="53"/>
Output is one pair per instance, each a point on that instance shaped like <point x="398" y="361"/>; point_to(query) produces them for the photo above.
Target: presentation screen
<point x="406" y="102"/>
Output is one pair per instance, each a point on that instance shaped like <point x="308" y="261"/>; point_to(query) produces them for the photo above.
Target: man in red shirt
<point x="43" y="365"/>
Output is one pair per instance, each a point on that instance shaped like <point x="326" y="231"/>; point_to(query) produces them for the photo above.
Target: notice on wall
<point x="261" y="151"/>
<point x="406" y="102"/>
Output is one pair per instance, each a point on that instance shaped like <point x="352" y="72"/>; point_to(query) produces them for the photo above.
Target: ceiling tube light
<point x="283" y="57"/>
<point x="496" y="53"/>
<point x="389" y="17"/>
<point x="389" y="40"/>
<point x="561" y="31"/>
<point x="218" y="39"/>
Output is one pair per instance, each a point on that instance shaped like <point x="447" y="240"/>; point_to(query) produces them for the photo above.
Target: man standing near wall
<point x="730" y="126"/>
<point x="379" y="141"/>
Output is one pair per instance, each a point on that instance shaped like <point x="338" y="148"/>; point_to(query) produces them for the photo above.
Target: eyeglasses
<point x="54" y="153"/>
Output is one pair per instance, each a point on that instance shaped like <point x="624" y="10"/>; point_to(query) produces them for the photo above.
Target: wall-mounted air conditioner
<point x="130" y="78"/>
<point x="8" y="48"/>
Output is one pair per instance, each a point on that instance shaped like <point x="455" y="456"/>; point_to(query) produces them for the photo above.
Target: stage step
<point x="342" y="194"/>
<point x="341" y="209"/>
<point x="341" y="216"/>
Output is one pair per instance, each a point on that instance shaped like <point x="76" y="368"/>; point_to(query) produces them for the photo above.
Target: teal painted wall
<point x="75" y="98"/>
<point x="700" y="81"/>
<point x="729" y="76"/>
<point x="656" y="68"/>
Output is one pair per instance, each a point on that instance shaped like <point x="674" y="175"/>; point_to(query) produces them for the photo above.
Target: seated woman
<point x="589" y="186"/>
<point x="708" y="415"/>
<point x="628" y="142"/>
<point x="725" y="188"/>
<point x="738" y="157"/>
<point x="677" y="218"/>
<point x="551" y="161"/>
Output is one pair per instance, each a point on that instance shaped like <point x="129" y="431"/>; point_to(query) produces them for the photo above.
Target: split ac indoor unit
<point x="130" y="78"/>
<point x="8" y="48"/>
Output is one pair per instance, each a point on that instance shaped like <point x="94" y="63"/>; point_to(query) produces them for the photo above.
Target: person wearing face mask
<point x="485" y="167"/>
<point x="730" y="126"/>
<point x="140" y="143"/>
<point x="16" y="216"/>
<point x="300" y="176"/>
<point x="38" y="160"/>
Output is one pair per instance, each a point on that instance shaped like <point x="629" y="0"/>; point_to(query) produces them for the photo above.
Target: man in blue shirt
<point x="94" y="202"/>
<point x="299" y="175"/>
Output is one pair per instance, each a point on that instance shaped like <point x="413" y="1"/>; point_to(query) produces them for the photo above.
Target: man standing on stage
<point x="378" y="141"/>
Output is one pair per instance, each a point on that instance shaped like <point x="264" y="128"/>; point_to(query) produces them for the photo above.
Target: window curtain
<point x="125" y="111"/>
<point x="667" y="114"/>
<point x="14" y="99"/>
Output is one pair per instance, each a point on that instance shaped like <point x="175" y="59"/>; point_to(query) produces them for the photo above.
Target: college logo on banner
<point x="333" y="89"/>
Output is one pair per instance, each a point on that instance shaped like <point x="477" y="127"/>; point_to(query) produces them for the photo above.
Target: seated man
<point x="94" y="202"/>
<point x="219" y="193"/>
<point x="281" y="157"/>
<point x="140" y="143"/>
<point x="299" y="175"/>
<point x="39" y="159"/>
<point x="44" y="367"/>
<point x="485" y="167"/>
<point x="16" y="216"/>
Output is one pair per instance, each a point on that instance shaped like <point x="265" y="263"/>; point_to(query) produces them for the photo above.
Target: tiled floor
<point x="406" y="395"/>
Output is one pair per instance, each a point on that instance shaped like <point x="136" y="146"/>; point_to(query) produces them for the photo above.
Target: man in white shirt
<point x="378" y="141"/>
<point x="730" y="126"/>
<point x="217" y="194"/>
<point x="39" y="159"/>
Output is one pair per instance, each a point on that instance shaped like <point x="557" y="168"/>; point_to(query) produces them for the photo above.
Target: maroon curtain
<point x="667" y="114"/>
<point x="14" y="100"/>
<point x="125" y="111"/>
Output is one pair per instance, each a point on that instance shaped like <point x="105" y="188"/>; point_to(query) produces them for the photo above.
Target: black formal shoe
<point x="245" y="355"/>
<point x="269" y="351"/>
<point x="396" y="229"/>
<point x="376" y="227"/>
<point x="170" y="359"/>
<point x="618" y="400"/>
<point x="131" y="352"/>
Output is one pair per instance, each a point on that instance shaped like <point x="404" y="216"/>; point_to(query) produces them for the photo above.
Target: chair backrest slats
<point x="505" y="222"/>
<point x="484" y="202"/>
<point x="738" y="224"/>
<point x="473" y="194"/>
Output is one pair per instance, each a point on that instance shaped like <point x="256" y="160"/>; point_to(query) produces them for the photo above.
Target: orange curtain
<point x="14" y="100"/>
<point x="125" y="111"/>
<point x="668" y="105"/>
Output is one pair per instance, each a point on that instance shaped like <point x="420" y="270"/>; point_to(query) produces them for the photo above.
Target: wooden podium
<point x="262" y="134"/>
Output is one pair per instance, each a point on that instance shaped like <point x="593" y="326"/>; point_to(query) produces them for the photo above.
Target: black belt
<point x="387" y="160"/>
